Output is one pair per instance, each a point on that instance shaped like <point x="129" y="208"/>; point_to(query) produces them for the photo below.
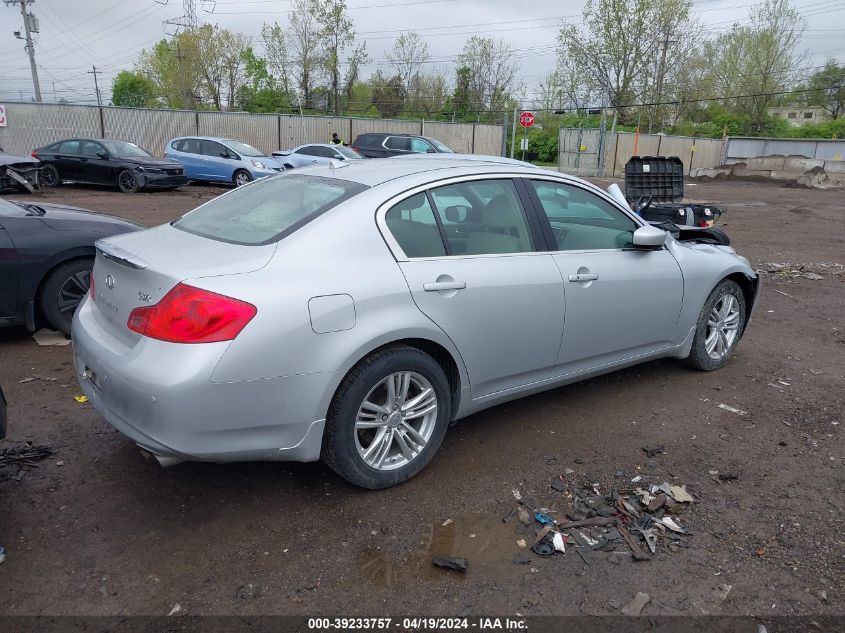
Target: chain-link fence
<point x="32" y="125"/>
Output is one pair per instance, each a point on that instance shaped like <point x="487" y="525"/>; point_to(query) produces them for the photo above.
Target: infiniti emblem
<point x="109" y="282"/>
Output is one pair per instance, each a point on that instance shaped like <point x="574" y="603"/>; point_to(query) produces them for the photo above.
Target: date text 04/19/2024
<point x="418" y="624"/>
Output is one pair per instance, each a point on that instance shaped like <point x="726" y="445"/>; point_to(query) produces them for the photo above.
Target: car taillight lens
<point x="355" y="149"/>
<point x="34" y="154"/>
<point x="192" y="315"/>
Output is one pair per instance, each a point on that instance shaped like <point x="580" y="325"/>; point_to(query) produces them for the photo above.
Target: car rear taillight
<point x="191" y="315"/>
<point x="34" y="154"/>
<point x="355" y="149"/>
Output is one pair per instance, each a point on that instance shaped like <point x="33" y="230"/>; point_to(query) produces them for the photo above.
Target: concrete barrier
<point x="808" y="172"/>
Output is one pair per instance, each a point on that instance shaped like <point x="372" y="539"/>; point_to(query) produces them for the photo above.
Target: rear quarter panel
<point x="339" y="253"/>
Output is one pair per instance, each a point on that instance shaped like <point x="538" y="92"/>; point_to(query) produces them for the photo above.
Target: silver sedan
<point x="350" y="312"/>
<point x="315" y="154"/>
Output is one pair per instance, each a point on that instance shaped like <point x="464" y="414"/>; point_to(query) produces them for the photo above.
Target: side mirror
<point x="339" y="157"/>
<point x="103" y="155"/>
<point x="649" y="237"/>
<point x="430" y="151"/>
<point x="225" y="155"/>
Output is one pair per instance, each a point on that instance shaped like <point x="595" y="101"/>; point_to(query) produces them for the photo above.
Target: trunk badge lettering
<point x="109" y="282"/>
<point x="145" y="297"/>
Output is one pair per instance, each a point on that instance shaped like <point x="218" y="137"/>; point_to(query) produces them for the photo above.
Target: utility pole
<point x="96" y="85"/>
<point x="30" y="26"/>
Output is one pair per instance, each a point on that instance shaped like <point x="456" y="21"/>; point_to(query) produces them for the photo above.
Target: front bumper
<point x="160" y="181"/>
<point x="263" y="173"/>
<point x="161" y="396"/>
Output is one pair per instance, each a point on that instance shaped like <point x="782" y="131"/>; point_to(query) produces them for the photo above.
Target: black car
<point x="107" y="162"/>
<point x="383" y="144"/>
<point x="46" y="255"/>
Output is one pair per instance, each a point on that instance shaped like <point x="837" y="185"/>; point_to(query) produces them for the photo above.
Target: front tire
<point x="241" y="177"/>
<point x="720" y="325"/>
<point x="63" y="290"/>
<point x="127" y="182"/>
<point x="49" y="176"/>
<point x="388" y="418"/>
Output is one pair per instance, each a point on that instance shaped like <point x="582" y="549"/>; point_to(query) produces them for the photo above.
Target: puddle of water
<point x="486" y="542"/>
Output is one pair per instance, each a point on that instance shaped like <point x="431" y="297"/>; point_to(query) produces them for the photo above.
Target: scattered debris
<point x="558" y="484"/>
<point x="669" y="523"/>
<point x="524" y="516"/>
<point x="652" y="451"/>
<point x="61" y="462"/>
<point x="2" y="553"/>
<point x="455" y="564"/>
<point x="543" y="519"/>
<point x="732" y="409"/>
<point x="26" y="454"/>
<point x="806" y="270"/>
<point x="50" y="338"/>
<point x="36" y="377"/>
<point x="680" y="494"/>
<point x="636" y="479"/>
<point x="729" y="476"/>
<point x="446" y="523"/>
<point x="780" y="292"/>
<point x="81" y="399"/>
<point x="723" y="591"/>
<point x="543" y="548"/>
<point x="558" y="542"/>
<point x="176" y="610"/>
<point x="636" y="605"/>
<point x="521" y="544"/>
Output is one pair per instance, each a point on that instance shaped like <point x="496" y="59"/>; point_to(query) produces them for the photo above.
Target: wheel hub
<point x="394" y="419"/>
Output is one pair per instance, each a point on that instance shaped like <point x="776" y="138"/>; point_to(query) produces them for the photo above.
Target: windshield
<point x="267" y="210"/>
<point x="349" y="153"/>
<point x="124" y="149"/>
<point x="242" y="148"/>
<point x="440" y="146"/>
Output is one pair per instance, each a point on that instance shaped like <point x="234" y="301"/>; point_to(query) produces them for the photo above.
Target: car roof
<point x="205" y="138"/>
<point x="376" y="171"/>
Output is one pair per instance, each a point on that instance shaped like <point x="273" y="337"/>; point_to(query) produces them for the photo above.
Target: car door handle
<point x="436" y="286"/>
<point x="584" y="277"/>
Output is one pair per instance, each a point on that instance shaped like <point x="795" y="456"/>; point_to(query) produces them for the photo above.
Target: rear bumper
<point x="160" y="395"/>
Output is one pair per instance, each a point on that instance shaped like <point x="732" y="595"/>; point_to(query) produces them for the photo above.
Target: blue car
<point x="216" y="159"/>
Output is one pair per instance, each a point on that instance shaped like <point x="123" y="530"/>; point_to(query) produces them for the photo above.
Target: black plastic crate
<point x="660" y="178"/>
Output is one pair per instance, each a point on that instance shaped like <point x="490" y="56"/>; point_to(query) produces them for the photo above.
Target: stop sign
<point x="526" y="119"/>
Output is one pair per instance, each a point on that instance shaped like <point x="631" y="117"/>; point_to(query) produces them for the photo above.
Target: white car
<point x="314" y="154"/>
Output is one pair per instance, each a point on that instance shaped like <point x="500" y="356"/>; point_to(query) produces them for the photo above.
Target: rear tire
<point x="241" y="177"/>
<point x="127" y="182"/>
<point x="63" y="290"/>
<point x="720" y="325"/>
<point x="378" y="435"/>
<point x="49" y="176"/>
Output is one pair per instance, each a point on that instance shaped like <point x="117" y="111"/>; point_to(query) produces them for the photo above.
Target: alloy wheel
<point x="396" y="420"/>
<point x="73" y="290"/>
<point x="126" y="180"/>
<point x="242" y="178"/>
<point x="722" y="327"/>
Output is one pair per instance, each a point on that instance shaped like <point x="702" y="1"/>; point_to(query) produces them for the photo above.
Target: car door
<point x="188" y="152"/>
<point x="8" y="271"/>
<point x="307" y="155"/>
<point x="500" y="300"/>
<point x="92" y="166"/>
<point x="67" y="160"/>
<point x="396" y="146"/>
<point x="420" y="146"/>
<point x="621" y="301"/>
<point x="217" y="165"/>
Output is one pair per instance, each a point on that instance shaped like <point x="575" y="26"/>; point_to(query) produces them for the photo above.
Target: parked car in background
<point x="107" y="162"/>
<point x="46" y="256"/>
<point x="314" y="154"/>
<point x="350" y="312"/>
<point x="17" y="173"/>
<point x="217" y="159"/>
<point x="384" y="144"/>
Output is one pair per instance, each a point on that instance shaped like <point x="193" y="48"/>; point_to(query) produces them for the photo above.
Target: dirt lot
<point x="96" y="529"/>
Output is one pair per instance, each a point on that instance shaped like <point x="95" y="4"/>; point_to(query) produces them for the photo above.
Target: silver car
<point x="350" y="312"/>
<point x="314" y="154"/>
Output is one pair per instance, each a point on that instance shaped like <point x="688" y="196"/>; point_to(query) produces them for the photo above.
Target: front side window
<point x="90" y="149"/>
<point x="419" y="145"/>
<point x="125" y="149"/>
<point x="307" y="151"/>
<point x="414" y="227"/>
<point x="267" y="210"/>
<point x="476" y="224"/>
<point x="440" y="146"/>
<point x="243" y="149"/>
<point x="581" y="220"/>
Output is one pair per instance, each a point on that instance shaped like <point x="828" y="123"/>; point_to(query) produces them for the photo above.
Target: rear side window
<point x="414" y="227"/>
<point x="178" y="145"/>
<point x="398" y="142"/>
<point x="69" y="147"/>
<point x="267" y="210"/>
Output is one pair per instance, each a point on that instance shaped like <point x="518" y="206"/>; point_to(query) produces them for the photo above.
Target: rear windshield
<point x="267" y="210"/>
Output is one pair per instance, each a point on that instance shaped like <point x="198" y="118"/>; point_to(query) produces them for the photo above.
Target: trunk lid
<point x="137" y="269"/>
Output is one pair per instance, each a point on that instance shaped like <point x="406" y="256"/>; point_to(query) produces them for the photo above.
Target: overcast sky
<point x="77" y="34"/>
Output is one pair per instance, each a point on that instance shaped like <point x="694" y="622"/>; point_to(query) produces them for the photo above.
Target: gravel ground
<point x="97" y="530"/>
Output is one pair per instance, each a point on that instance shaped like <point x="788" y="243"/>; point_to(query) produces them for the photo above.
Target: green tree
<point x="828" y="87"/>
<point x="303" y="39"/>
<point x="493" y="72"/>
<point x="388" y="94"/>
<point x="260" y="91"/>
<point x="133" y="90"/>
<point x="336" y="33"/>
